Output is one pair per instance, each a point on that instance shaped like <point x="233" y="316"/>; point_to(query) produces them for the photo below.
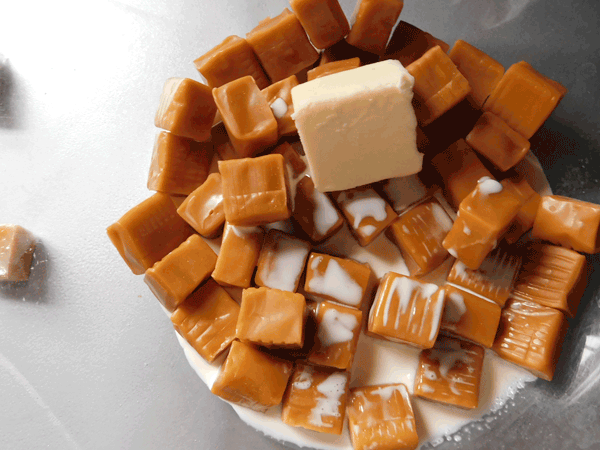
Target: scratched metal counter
<point x="88" y="359"/>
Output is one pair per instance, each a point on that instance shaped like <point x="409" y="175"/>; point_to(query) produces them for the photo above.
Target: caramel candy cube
<point x="524" y="98"/>
<point x="238" y="256"/>
<point x="438" y="85"/>
<point x="279" y="99"/>
<point x="333" y="67"/>
<point x="419" y="233"/>
<point x="374" y="20"/>
<point x="282" y="46"/>
<point x="481" y="70"/>
<point x="251" y="378"/>
<point x="568" y="222"/>
<point x="281" y="261"/>
<point x="408" y="43"/>
<point x="186" y="109"/>
<point x="406" y="310"/>
<point x="450" y="373"/>
<point x="342" y="50"/>
<point x="292" y="159"/>
<point x="249" y="121"/>
<point x="460" y="169"/>
<point x="494" y="279"/>
<point x="148" y="232"/>
<point x="552" y="276"/>
<point x="316" y="399"/>
<point x="470" y="317"/>
<point x="255" y="190"/>
<point x="16" y="252"/>
<point x="314" y="212"/>
<point x="231" y="59"/>
<point x="338" y="329"/>
<point x="271" y="318"/>
<point x="203" y="208"/>
<point x="526" y="215"/>
<point x="175" y="276"/>
<point x="531" y="335"/>
<point x="323" y="20"/>
<point x="381" y="418"/>
<point x="499" y="143"/>
<point x="365" y="211"/>
<point x="179" y="165"/>
<point x="403" y="192"/>
<point x="337" y="279"/>
<point x="484" y="216"/>
<point x="207" y="320"/>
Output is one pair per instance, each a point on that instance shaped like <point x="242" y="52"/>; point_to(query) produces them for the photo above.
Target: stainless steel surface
<point x="87" y="357"/>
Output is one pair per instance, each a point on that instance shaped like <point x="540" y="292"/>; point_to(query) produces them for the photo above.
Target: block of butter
<point x="358" y="126"/>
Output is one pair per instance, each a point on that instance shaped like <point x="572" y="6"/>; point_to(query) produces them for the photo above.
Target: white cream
<point x="363" y="204"/>
<point x="441" y="217"/>
<point x="329" y="406"/>
<point x="279" y="108"/>
<point x="335" y="282"/>
<point x="245" y="232"/>
<point x="336" y="327"/>
<point x="305" y="379"/>
<point x="487" y="186"/>
<point x="286" y="264"/>
<point x="325" y="215"/>
<point x="455" y="308"/>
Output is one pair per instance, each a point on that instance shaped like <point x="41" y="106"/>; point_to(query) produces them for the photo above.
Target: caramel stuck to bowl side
<point x="450" y="373"/>
<point x="338" y="329"/>
<point x="382" y="418"/>
<point x="323" y="20"/>
<point x="16" y="252"/>
<point x="316" y="399"/>
<point x="231" y="59"/>
<point x="203" y="208"/>
<point x="271" y="318"/>
<point x="282" y="46"/>
<point x="340" y="280"/>
<point x="552" y="276"/>
<point x="419" y="233"/>
<point x="175" y="276"/>
<point x="255" y="190"/>
<point x="406" y="310"/>
<point x="238" y="256"/>
<point x="186" y="109"/>
<point x="279" y="99"/>
<point x="531" y="335"/>
<point x="207" y="319"/>
<point x="568" y="222"/>
<point x="249" y="121"/>
<point x="281" y="261"/>
<point x="148" y="232"/>
<point x="470" y="317"/>
<point x="373" y="24"/>
<point x="333" y="67"/>
<point x="408" y="43"/>
<point x="179" y="165"/>
<point x="251" y="378"/>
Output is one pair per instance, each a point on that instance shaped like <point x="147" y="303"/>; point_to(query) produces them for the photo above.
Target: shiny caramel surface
<point x="282" y="90"/>
<point x="333" y="67"/>
<point x="373" y="24"/>
<point x="203" y="208"/>
<point x="324" y="21"/>
<point x="16" y="252"/>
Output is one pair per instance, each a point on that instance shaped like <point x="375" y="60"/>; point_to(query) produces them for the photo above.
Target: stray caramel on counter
<point x="406" y="310"/>
<point x="203" y="208"/>
<point x="323" y="20"/>
<point x="281" y="261"/>
<point x="175" y="276"/>
<point x="231" y="59"/>
<point x="450" y="373"/>
<point x="186" y="109"/>
<point x="16" y="252"/>
<point x="247" y="116"/>
<point x="255" y="190"/>
<point x="271" y="318"/>
<point x="238" y="256"/>
<point x="470" y="317"/>
<point x="531" y="335"/>
<point x="568" y="222"/>
<point x="341" y="115"/>
<point x="373" y="24"/>
<point x="366" y="213"/>
<point x="251" y="378"/>
<point x="382" y="418"/>
<point x="148" y="232"/>
<point x="552" y="276"/>
<point x="337" y="279"/>
<point x="316" y="399"/>
<point x="207" y="320"/>
<point x="179" y="165"/>
<point x="282" y="46"/>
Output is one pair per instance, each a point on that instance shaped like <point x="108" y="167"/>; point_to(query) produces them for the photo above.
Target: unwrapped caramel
<point x="333" y="67"/>
<point x="203" y="208"/>
<point x="373" y="24"/>
<point x="279" y="99"/>
<point x="16" y="252"/>
<point x="323" y="20"/>
<point x="408" y="43"/>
